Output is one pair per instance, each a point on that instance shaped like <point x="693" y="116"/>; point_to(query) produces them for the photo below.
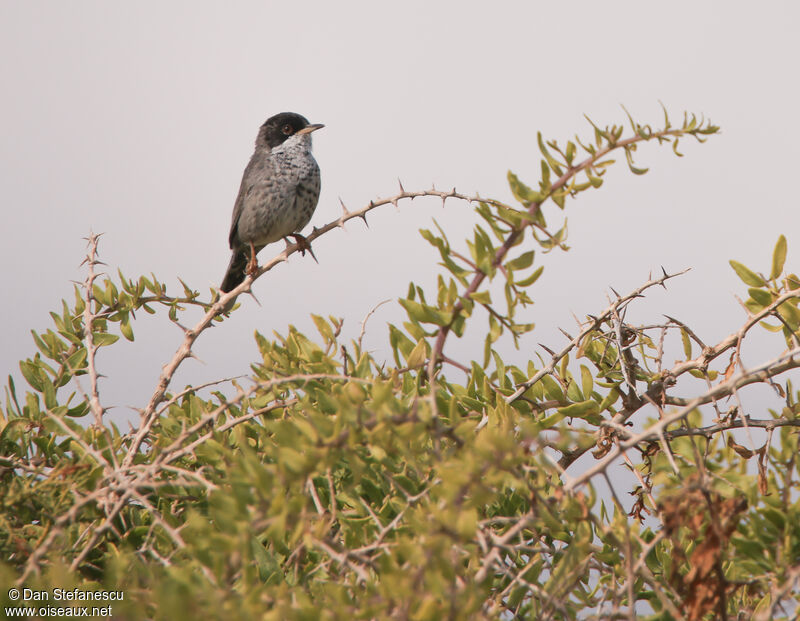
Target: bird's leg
<point x="303" y="245"/>
<point x="252" y="264"/>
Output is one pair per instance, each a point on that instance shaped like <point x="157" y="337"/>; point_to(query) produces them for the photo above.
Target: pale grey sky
<point x="137" y="119"/>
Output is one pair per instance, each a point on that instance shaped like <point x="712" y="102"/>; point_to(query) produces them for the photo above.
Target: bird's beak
<point x="310" y="128"/>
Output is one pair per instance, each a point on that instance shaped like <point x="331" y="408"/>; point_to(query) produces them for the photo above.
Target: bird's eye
<point x="287" y="130"/>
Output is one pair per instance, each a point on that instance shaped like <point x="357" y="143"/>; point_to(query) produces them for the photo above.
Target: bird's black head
<point x="281" y="126"/>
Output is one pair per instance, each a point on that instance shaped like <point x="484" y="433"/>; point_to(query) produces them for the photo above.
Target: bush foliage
<point x="331" y="485"/>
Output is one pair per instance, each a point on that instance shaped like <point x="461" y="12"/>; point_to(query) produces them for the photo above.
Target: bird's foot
<point x="252" y="264"/>
<point x="303" y="245"/>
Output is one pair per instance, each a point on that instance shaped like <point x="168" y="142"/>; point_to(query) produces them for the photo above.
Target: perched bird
<point x="278" y="194"/>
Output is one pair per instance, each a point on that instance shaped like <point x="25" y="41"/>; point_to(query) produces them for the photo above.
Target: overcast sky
<point x="137" y="119"/>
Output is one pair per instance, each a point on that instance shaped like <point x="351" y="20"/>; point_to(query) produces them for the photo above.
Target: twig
<point x="593" y="325"/>
<point x="768" y="369"/>
<point x="88" y="321"/>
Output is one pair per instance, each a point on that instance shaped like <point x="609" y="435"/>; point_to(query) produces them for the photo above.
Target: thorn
<point x="344" y="209"/>
<point x="93" y="237"/>
<point x="402" y="189"/>
<point x="548" y="350"/>
<point x="615" y="293"/>
<point x="363" y="216"/>
<point x="565" y="333"/>
<point x="200" y="360"/>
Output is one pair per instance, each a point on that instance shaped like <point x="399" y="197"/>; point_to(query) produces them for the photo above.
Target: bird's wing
<point x="248" y="180"/>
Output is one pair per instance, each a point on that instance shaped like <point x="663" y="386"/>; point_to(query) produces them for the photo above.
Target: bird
<point x="277" y="196"/>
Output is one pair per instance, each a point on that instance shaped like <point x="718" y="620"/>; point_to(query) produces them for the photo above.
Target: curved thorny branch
<point x="565" y="182"/>
<point x="149" y="413"/>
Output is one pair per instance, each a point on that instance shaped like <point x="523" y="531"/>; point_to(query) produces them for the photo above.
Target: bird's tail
<point x="236" y="268"/>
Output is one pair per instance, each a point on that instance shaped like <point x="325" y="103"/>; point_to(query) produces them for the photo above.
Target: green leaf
<point x="571" y="148"/>
<point x="522" y="261"/>
<point x="32" y="374"/>
<point x="545" y="184"/>
<point x="12" y="391"/>
<point x="764" y="298"/>
<point x="629" y="157"/>
<point x="587" y="410"/>
<point x="495" y="330"/>
<point x="595" y="181"/>
<point x="400" y="343"/>
<point x="610" y="399"/>
<point x="100" y="295"/>
<point x="49" y="393"/>
<point x="526" y="282"/>
<point x="79" y="410"/>
<point x="77" y="360"/>
<point x="481" y="297"/>
<point x="418" y="355"/>
<point x="104" y="338"/>
<point x="687" y="344"/>
<point x="323" y="327"/>
<point x="778" y="258"/>
<point x="424" y="313"/>
<point x="748" y="276"/>
<point x="47" y="351"/>
<point x="586" y="381"/>
<point x="551" y="421"/>
<point x="790" y="314"/>
<point x="522" y="192"/>
<point x="552" y="389"/>
<point x="125" y="327"/>
<point x="551" y="161"/>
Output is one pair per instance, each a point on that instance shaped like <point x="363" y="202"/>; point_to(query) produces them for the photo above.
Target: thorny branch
<point x="149" y="413"/>
<point x="657" y="391"/>
<point x="592" y="326"/>
<point x="91" y="261"/>
<point x="766" y="370"/>
<point x="533" y="209"/>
